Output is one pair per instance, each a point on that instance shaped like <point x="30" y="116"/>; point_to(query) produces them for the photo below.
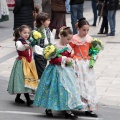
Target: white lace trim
<point x="81" y="41"/>
<point x="63" y="61"/>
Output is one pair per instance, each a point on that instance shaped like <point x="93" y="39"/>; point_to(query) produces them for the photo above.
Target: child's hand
<point x="27" y="46"/>
<point x="96" y="57"/>
<point x="68" y="60"/>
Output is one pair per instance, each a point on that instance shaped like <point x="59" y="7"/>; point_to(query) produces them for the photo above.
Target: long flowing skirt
<point x="87" y="84"/>
<point x="57" y="89"/>
<point x="17" y="82"/>
<point x="4" y="12"/>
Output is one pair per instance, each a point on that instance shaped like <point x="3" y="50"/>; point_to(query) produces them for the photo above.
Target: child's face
<point x="83" y="31"/>
<point x="25" y="33"/>
<point x="46" y="23"/>
<point x="66" y="39"/>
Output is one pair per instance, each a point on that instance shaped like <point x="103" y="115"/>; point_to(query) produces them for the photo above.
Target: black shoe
<point x="70" y="116"/>
<point x="30" y="102"/>
<point x="106" y="32"/>
<point x="90" y="113"/>
<point x="93" y="25"/>
<point x="19" y="101"/>
<point x="49" y="113"/>
<point x="100" y="32"/>
<point x="111" y="34"/>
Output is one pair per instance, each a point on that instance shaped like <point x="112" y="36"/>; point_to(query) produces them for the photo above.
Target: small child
<point x="23" y="78"/>
<point x="81" y="43"/>
<point x="42" y="23"/>
<point x="57" y="88"/>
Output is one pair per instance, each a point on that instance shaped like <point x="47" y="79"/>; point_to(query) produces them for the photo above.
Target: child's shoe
<point x="19" y="101"/>
<point x="90" y="113"/>
<point x="70" y="116"/>
<point x="49" y="113"/>
<point x="29" y="103"/>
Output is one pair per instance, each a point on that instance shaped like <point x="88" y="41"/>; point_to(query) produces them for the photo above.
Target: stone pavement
<point x="107" y="67"/>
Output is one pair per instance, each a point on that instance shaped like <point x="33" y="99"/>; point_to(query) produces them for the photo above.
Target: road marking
<point x="32" y="113"/>
<point x="19" y="112"/>
<point x="8" y="56"/>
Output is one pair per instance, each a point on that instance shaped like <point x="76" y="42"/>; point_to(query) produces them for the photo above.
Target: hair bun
<point x="81" y="19"/>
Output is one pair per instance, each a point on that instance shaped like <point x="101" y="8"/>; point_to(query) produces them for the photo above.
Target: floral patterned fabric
<point x="57" y="88"/>
<point x="52" y="93"/>
<point x="16" y="81"/>
<point x="85" y="75"/>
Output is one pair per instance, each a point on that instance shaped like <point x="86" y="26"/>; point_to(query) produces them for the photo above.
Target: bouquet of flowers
<point x="35" y="36"/>
<point x="50" y="51"/>
<point x="96" y="46"/>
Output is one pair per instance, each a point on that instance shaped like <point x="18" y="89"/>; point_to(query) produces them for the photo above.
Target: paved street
<point x="107" y="72"/>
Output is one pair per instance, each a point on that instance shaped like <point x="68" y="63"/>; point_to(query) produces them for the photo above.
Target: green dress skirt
<point x="16" y="81"/>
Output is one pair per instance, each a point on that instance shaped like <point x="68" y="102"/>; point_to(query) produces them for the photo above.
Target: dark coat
<point x="112" y="4"/>
<point x="99" y="7"/>
<point x="23" y="13"/>
<point x="74" y="2"/>
<point x="46" y="6"/>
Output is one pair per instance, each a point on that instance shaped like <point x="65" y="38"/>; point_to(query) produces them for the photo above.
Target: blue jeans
<point x="76" y="14"/>
<point x="94" y="8"/>
<point x="67" y="5"/>
<point x="112" y="20"/>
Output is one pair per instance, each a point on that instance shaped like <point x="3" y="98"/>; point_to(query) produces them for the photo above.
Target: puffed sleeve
<point x="59" y="61"/>
<point x="56" y="61"/>
<point x="20" y="46"/>
<point x="52" y="38"/>
<point x="37" y="49"/>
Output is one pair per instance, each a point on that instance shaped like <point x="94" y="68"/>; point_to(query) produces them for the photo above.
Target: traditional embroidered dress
<point x="57" y="88"/>
<point x="23" y="78"/>
<point x="4" y="12"/>
<point x="86" y="77"/>
<point x="40" y="61"/>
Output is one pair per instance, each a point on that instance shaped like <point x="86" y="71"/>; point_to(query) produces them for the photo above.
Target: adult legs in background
<point x="104" y="26"/>
<point x="76" y="14"/>
<point x="94" y="8"/>
<point x="67" y="6"/>
<point x="112" y="22"/>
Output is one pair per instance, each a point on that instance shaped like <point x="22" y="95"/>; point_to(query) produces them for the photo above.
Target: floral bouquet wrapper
<point x="96" y="47"/>
<point x="35" y="36"/>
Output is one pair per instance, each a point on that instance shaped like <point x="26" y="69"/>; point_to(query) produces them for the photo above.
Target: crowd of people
<point x="107" y="10"/>
<point x="66" y="77"/>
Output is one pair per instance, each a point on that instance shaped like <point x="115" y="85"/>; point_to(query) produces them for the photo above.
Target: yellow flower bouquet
<point x="35" y="36"/>
<point x="50" y="51"/>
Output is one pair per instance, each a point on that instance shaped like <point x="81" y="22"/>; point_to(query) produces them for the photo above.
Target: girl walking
<point x="23" y="78"/>
<point x="42" y="23"/>
<point x="57" y="88"/>
<point x="81" y="43"/>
